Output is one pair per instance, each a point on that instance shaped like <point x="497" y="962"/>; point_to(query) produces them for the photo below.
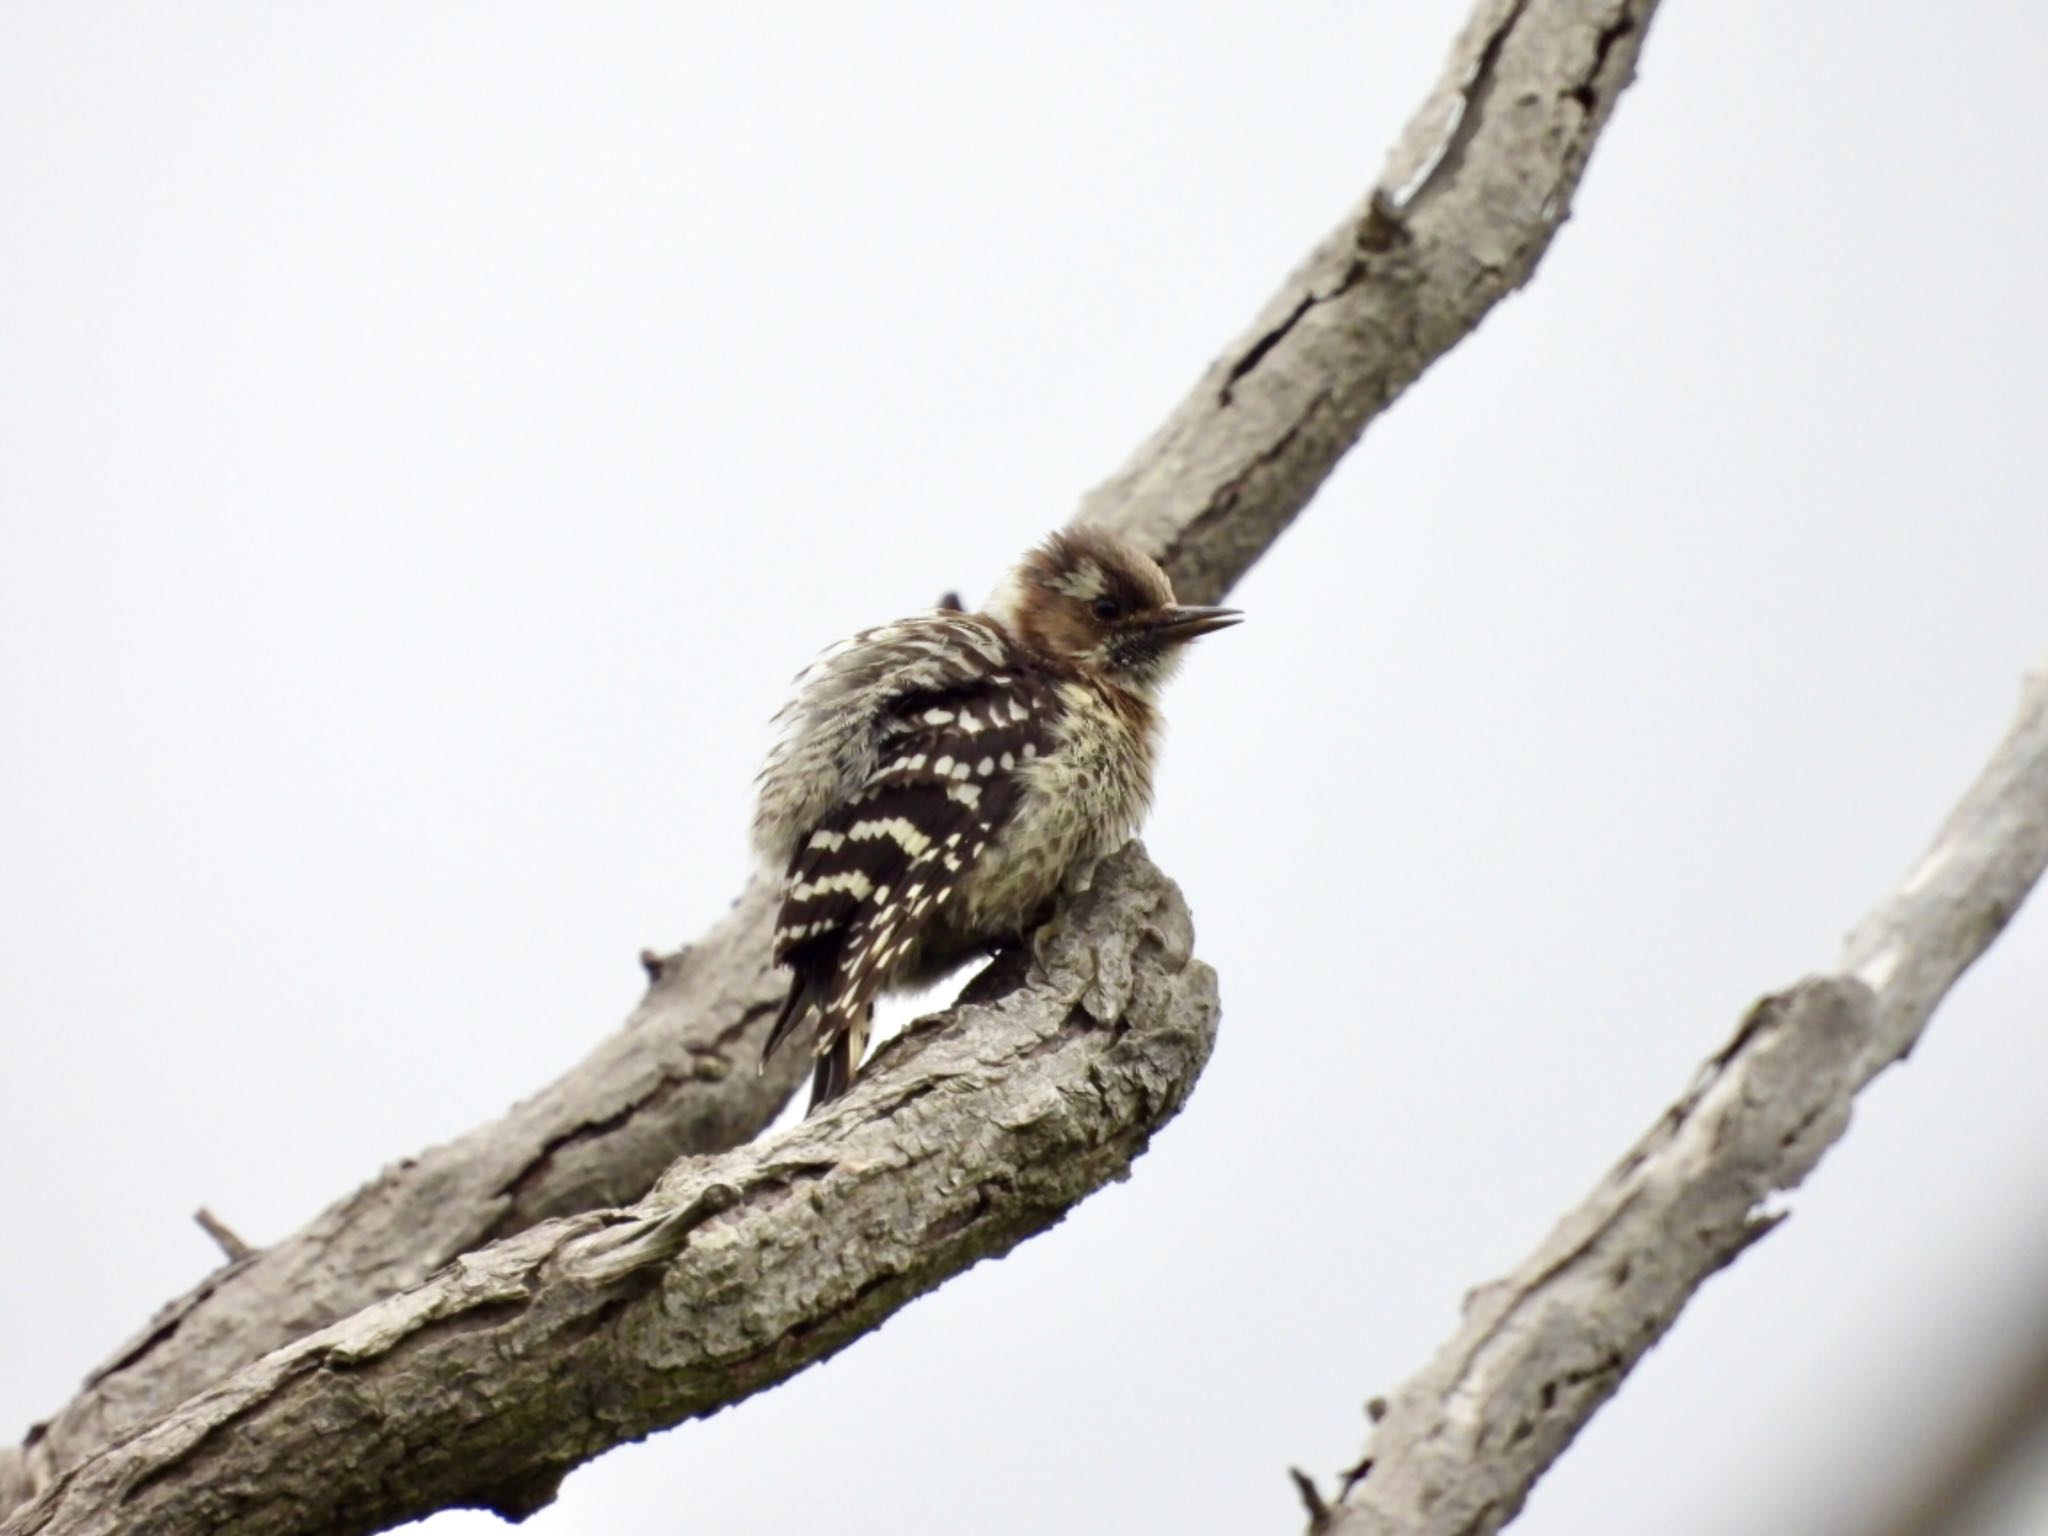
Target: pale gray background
<point x="430" y="436"/>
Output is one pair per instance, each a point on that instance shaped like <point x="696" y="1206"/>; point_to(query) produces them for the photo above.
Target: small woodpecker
<point x="938" y="780"/>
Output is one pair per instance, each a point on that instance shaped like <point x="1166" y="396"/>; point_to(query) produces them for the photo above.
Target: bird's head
<point x="1088" y="598"/>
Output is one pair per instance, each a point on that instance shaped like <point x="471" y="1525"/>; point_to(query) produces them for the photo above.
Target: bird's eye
<point x="1108" y="609"/>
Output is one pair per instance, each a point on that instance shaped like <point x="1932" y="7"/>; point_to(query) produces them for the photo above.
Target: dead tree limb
<point x="1481" y="181"/>
<point x="1479" y="184"/>
<point x="1464" y="1440"/>
<point x="486" y="1383"/>
<point x="679" y="1077"/>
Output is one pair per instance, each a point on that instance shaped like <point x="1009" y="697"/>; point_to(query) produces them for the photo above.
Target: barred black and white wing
<point x="831" y="733"/>
<point x="871" y="886"/>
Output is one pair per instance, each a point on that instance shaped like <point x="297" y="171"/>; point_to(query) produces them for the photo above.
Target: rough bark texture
<point x="1480" y="183"/>
<point x="678" y="1078"/>
<point x="490" y="1380"/>
<point x="1462" y="1442"/>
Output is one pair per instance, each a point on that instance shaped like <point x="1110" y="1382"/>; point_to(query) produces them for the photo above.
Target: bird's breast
<point x="1081" y="798"/>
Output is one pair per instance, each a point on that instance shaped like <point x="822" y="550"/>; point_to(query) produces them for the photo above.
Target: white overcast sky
<point x="432" y="434"/>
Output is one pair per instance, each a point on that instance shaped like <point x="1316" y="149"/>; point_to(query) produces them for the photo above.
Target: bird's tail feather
<point x="794" y="1008"/>
<point x="841" y="1044"/>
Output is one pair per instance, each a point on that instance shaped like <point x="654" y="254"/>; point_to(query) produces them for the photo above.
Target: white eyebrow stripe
<point x="1085" y="581"/>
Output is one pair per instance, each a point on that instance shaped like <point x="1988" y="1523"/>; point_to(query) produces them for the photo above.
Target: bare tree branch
<point x="680" y="1077"/>
<point x="1480" y="183"/>
<point x="1464" y="1440"/>
<point x="488" y="1382"/>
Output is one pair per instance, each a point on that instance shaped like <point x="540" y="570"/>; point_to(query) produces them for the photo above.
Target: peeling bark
<point x="1464" y="1440"/>
<point x="491" y="1379"/>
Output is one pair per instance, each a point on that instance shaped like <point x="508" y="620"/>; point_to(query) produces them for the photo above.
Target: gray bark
<point x="678" y="1078"/>
<point x="1481" y="181"/>
<point x="486" y="1383"/>
<point x="1464" y="1440"/>
<point x="1468" y="204"/>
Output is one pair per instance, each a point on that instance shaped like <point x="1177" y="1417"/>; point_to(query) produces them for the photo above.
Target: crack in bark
<point x="1264" y="344"/>
<point x="721" y="1043"/>
<point x="515" y="1190"/>
<point x="1617" y="29"/>
<point x="168" y="1321"/>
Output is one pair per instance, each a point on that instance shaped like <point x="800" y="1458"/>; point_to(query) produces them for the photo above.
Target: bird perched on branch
<point x="937" y="780"/>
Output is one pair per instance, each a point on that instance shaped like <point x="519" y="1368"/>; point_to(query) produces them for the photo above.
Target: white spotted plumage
<point x="938" y="779"/>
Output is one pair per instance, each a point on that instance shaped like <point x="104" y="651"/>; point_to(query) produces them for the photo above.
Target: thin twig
<point x="231" y="1245"/>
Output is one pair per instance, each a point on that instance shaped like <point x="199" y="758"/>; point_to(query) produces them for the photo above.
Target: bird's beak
<point x="1179" y="624"/>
